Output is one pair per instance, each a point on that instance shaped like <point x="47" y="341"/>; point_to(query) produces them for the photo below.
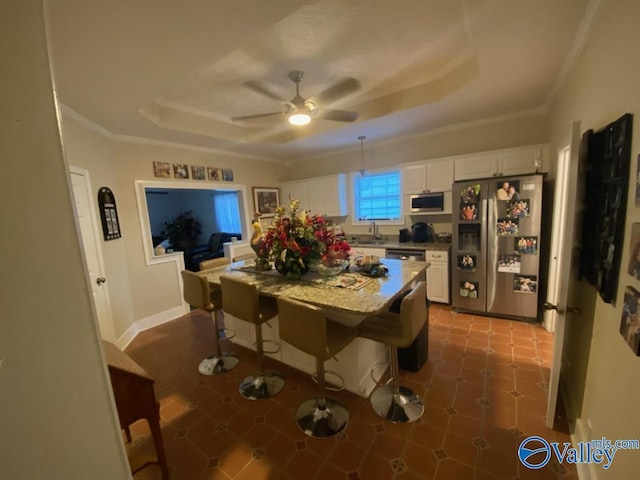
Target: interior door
<point x="562" y="268"/>
<point x="85" y="214"/>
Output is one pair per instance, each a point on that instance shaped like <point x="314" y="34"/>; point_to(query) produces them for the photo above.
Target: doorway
<point x="90" y="236"/>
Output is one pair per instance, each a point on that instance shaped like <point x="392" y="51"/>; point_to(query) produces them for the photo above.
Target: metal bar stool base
<point x="218" y="364"/>
<point x="319" y="422"/>
<point x="402" y="407"/>
<point x="256" y="387"/>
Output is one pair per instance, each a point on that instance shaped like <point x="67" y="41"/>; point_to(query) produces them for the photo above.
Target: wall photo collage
<point x="196" y="172"/>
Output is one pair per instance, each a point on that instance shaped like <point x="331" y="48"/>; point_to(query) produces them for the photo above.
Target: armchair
<point x="213" y="249"/>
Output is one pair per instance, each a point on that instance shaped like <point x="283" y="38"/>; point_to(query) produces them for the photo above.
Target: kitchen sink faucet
<point x="373" y="229"/>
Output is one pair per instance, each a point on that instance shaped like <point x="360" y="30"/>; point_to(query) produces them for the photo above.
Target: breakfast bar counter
<point x="348" y="304"/>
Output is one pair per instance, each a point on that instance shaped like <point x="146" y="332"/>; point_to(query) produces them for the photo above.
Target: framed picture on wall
<point x="266" y="201"/>
<point x="197" y="172"/>
<point x="162" y="169"/>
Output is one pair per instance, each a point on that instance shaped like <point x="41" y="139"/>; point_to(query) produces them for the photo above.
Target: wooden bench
<point x="135" y="400"/>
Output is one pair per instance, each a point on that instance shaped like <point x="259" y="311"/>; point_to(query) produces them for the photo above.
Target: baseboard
<point x="149" y="322"/>
<point x="579" y="434"/>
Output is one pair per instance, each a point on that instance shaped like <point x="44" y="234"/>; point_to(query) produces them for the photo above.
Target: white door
<point x="562" y="268"/>
<point x="87" y="221"/>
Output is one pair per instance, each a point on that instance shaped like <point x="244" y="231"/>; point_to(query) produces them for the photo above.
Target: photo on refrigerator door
<point x="525" y="245"/>
<point x="508" y="190"/>
<point x="630" y="321"/>
<point x="509" y="264"/>
<point x="469" y="289"/>
<point x="507" y="226"/>
<point x="519" y="208"/>
<point x="467" y="263"/>
<point x="469" y="201"/>
<point x="525" y="283"/>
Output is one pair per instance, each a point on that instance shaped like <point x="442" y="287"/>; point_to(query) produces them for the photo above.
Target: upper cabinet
<point x="414" y="178"/>
<point x="500" y="163"/>
<point x="323" y="195"/>
<point x="428" y="176"/>
<point x="439" y="175"/>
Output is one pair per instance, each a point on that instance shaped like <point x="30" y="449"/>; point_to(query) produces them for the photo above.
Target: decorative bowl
<point x="331" y="267"/>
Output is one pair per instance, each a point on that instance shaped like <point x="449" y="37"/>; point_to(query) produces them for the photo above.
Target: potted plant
<point x="182" y="231"/>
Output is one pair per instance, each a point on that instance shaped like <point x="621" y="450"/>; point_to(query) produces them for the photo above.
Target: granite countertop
<point x="345" y="305"/>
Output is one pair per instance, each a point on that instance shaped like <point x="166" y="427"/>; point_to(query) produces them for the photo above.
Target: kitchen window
<point x="377" y="197"/>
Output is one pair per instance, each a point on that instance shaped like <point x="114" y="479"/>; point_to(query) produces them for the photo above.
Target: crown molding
<point x="592" y="12"/>
<point x="72" y="114"/>
<point x="84" y="121"/>
<point x="534" y="112"/>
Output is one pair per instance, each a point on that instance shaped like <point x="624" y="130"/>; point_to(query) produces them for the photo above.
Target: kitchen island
<point x="345" y="305"/>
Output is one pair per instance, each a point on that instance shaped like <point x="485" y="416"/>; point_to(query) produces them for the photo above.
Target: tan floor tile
<point x="211" y="433"/>
<point x="449" y="469"/>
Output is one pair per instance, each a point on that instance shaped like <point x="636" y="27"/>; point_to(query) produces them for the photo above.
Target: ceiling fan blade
<point x="259" y="115"/>
<point x="337" y="115"/>
<point x="262" y="89"/>
<point x="337" y="90"/>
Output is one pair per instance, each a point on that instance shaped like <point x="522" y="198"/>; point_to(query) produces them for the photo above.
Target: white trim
<point x="149" y="322"/>
<point x="579" y="434"/>
<point x="534" y="112"/>
<point x="181" y="107"/>
<point x="69" y="113"/>
<point x="97" y="235"/>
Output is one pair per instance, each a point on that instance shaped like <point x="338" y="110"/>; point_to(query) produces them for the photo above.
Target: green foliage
<point x="182" y="231"/>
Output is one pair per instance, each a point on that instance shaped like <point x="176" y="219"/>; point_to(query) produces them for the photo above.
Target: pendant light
<point x="362" y="138"/>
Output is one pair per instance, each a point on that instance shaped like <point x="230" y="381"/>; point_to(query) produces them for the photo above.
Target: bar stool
<point x="393" y="402"/>
<point x="244" y="256"/>
<point x="306" y="328"/>
<point x="198" y="293"/>
<point x="241" y="300"/>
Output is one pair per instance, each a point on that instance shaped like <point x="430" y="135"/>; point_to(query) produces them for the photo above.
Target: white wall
<point x="602" y="376"/>
<point x="57" y="414"/>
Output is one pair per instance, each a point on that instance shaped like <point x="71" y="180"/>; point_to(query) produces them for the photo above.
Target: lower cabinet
<point x="438" y="276"/>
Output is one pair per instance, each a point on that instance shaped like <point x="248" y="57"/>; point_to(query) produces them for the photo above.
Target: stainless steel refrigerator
<point x="496" y="246"/>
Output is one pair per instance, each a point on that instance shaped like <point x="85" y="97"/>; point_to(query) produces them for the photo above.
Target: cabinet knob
<point x="100" y="280"/>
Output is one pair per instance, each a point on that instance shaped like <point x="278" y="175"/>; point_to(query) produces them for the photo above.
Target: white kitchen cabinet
<point x="414" y="178"/>
<point x="439" y="175"/>
<point x="500" y="163"/>
<point x="357" y="251"/>
<point x="438" y="276"/>
<point x="428" y="176"/>
<point x="328" y="195"/>
<point x="323" y="195"/>
<point x="519" y="161"/>
<point x="476" y="166"/>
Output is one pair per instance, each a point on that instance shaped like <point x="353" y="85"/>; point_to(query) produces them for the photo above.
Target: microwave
<point x="427" y="202"/>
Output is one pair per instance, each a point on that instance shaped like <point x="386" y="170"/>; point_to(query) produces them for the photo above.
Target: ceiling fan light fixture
<point x="299" y="119"/>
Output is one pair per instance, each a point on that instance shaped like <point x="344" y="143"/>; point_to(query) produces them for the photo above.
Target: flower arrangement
<point x="299" y="240"/>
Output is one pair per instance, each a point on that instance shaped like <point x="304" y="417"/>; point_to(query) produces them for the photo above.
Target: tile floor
<point x="484" y="388"/>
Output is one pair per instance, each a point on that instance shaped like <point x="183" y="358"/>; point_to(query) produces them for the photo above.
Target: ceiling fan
<point x="299" y="110"/>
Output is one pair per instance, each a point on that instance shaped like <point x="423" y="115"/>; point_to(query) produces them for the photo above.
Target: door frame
<point x="98" y="246"/>
<point x="568" y="158"/>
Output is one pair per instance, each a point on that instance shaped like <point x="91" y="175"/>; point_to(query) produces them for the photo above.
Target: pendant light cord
<point x="362" y="138"/>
